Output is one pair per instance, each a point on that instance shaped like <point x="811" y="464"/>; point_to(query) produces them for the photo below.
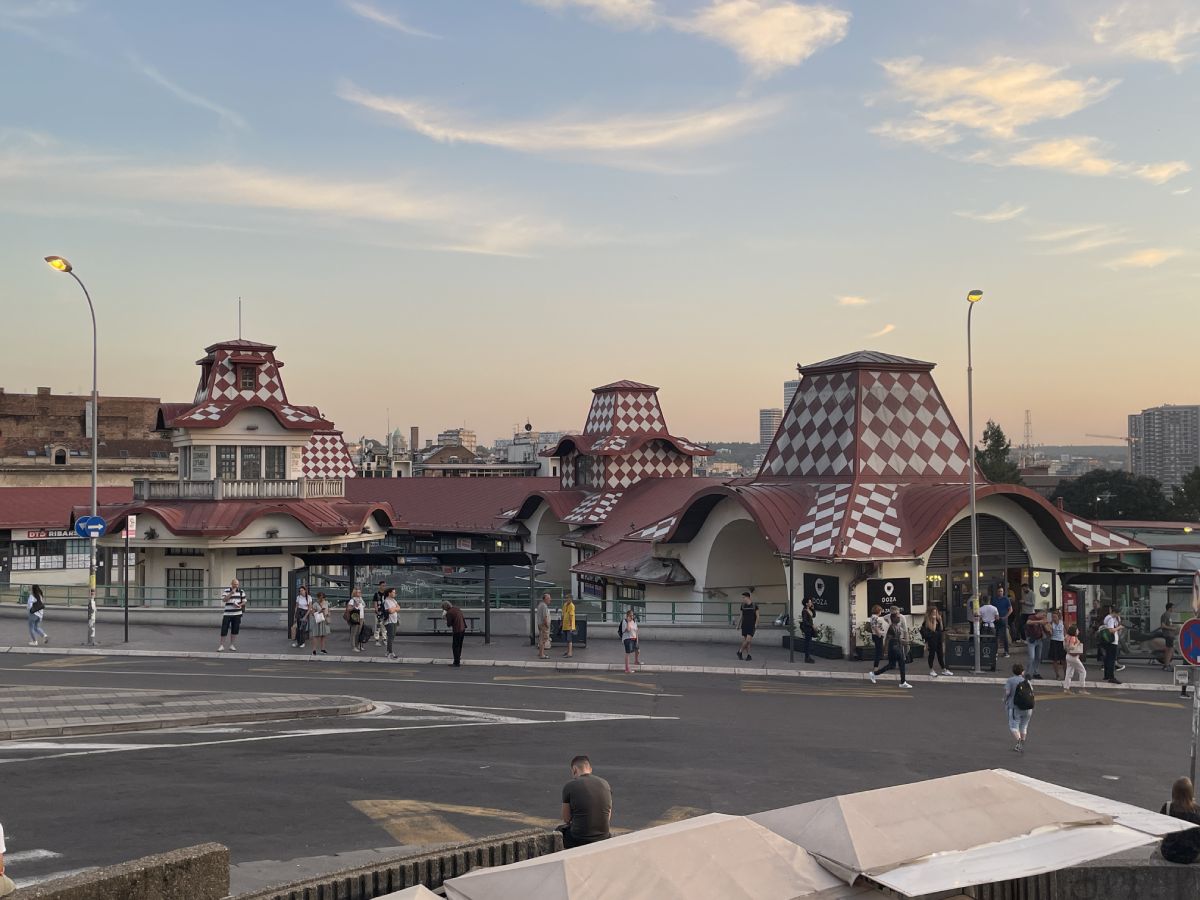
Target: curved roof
<point x="214" y="414"/>
<point x="617" y="444"/>
<point x="624" y="385"/>
<point x="867" y="359"/>
<point x="634" y="561"/>
<point x="225" y="518"/>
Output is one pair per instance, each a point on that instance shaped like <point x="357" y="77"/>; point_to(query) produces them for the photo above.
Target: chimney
<point x="1058" y="501"/>
<point x="414" y="435"/>
<point x="43" y="392"/>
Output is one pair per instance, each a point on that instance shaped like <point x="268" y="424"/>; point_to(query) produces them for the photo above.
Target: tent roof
<point x="714" y="855"/>
<point x="419" y="892"/>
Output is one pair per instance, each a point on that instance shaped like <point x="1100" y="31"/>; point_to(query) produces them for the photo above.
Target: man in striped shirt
<point x="234" y="599"/>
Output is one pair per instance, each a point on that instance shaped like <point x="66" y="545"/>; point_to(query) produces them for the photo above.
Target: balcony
<point x="222" y="489"/>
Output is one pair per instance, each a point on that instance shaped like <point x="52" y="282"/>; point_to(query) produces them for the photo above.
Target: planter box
<point x="825" y="651"/>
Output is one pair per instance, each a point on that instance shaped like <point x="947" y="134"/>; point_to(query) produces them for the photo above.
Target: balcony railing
<point x="222" y="489"/>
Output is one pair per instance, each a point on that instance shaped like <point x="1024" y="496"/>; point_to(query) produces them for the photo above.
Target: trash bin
<point x="960" y="651"/>
<point x="556" y="635"/>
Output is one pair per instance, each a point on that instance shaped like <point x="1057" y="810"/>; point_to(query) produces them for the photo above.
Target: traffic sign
<point x="1189" y="641"/>
<point x="130" y="530"/>
<point x="89" y="526"/>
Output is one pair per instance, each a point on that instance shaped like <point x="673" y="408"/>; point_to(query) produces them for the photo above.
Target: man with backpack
<point x="1018" y="704"/>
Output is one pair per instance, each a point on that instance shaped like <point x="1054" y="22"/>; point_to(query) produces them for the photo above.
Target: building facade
<point x="460" y="437"/>
<point x="768" y="424"/>
<point x="1164" y="443"/>
<point x="789" y="391"/>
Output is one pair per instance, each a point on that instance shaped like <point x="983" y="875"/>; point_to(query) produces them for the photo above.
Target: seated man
<point x="586" y="806"/>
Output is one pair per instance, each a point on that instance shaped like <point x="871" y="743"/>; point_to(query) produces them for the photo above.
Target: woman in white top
<point x="391" y="609"/>
<point x="629" y="634"/>
<point x="302" y="603"/>
<point x="6" y="885"/>
<point x="35" y="605"/>
<point x="356" y="614"/>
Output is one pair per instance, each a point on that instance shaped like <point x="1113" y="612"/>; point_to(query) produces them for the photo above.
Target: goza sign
<point x="823" y="590"/>
<point x="889" y="592"/>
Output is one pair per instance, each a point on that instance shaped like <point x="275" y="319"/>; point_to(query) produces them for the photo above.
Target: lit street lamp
<point x="972" y="298"/>
<point x="61" y="265"/>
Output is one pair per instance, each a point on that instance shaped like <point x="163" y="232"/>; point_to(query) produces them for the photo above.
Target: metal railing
<point x="239" y="489"/>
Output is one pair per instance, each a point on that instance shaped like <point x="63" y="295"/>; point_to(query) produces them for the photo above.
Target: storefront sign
<point x="1070" y="607"/>
<point x="889" y="592"/>
<point x="823" y="591"/>
<point x="45" y="534"/>
<point x="462" y="543"/>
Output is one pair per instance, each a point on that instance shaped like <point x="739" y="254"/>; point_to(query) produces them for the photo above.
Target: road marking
<point x="558" y="676"/>
<point x="73" y="662"/>
<point x="22" y="856"/>
<point x="12" y="746"/>
<point x="417" y="822"/>
<point x="1043" y="698"/>
<point x="813" y="690"/>
<point x="244" y="676"/>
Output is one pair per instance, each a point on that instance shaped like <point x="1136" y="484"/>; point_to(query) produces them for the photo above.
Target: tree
<point x="994" y="459"/>
<point x="1186" y="502"/>
<point x="1109" y="494"/>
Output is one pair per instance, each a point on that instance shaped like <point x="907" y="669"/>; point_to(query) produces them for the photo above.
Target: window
<point x="227" y="463"/>
<point x="79" y="553"/>
<point x="251" y="463"/>
<point x="631" y="595"/>
<point x="185" y="587"/>
<point x="262" y="586"/>
<point x="275" y="464"/>
<point x="60" y="457"/>
<point x="590" y="586"/>
<point x="185" y="462"/>
<point x="184" y="551"/>
<point x="24" y="555"/>
<point x="247" y="378"/>
<point x="200" y="464"/>
<point x="259" y="551"/>
<point x="52" y="554"/>
<point x="74" y="553"/>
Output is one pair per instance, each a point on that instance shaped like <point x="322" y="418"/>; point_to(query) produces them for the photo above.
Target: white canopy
<point x="717" y="856"/>
<point x="420" y="892"/>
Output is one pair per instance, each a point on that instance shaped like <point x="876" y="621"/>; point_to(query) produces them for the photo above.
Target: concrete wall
<point x="195" y="873"/>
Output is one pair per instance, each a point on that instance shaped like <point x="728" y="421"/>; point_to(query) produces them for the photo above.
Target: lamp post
<point x="61" y="265"/>
<point x="972" y="298"/>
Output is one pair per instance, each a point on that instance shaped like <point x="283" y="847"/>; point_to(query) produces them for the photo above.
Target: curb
<point x="555" y="666"/>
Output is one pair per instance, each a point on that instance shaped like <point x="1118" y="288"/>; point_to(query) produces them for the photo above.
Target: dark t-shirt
<point x="1003" y="606"/>
<point x="749" y="614"/>
<point x="454" y="618"/>
<point x="590" y="799"/>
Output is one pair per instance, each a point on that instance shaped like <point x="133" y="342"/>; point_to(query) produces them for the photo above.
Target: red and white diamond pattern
<point x="612" y="442"/>
<point x="906" y="428"/>
<point x="325" y="456"/>
<point x="1093" y="536"/>
<point x="655" y="460"/>
<point x="874" y="526"/>
<point x="224" y="382"/>
<point x="625" y="413"/>
<point x="593" y="509"/>
<point x="657" y="530"/>
<point x="210" y="413"/>
<point x="817" y="434"/>
<point x="296" y="415"/>
<point x="824" y="520"/>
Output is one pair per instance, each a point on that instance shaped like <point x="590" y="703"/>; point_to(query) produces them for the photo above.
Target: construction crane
<point x="1129" y="441"/>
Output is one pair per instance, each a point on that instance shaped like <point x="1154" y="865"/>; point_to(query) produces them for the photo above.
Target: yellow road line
<point x="561" y="676"/>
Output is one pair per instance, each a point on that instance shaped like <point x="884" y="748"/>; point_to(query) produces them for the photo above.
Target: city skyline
<point x="383" y="183"/>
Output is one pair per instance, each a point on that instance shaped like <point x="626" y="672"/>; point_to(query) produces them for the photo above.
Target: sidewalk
<point x="604" y="653"/>
<point x="37" y="712"/>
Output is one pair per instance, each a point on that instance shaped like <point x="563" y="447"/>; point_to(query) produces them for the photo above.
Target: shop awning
<point x="1123" y="579"/>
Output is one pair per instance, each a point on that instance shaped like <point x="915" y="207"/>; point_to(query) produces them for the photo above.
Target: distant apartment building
<point x="768" y="424"/>
<point x="458" y="437"/>
<point x="1164" y="443"/>
<point x="789" y="391"/>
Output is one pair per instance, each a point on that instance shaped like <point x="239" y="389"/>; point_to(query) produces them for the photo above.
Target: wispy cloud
<point x="1181" y="191"/>
<point x="1080" y="239"/>
<point x="1161" y="31"/>
<point x="766" y="35"/>
<point x="617" y="134"/>
<point x="223" y="113"/>
<point x="382" y="17"/>
<point x="33" y="19"/>
<point x="1149" y="258"/>
<point x="853" y="300"/>
<point x="1005" y="212"/>
<point x="1087" y="156"/>
<point x="886" y="329"/>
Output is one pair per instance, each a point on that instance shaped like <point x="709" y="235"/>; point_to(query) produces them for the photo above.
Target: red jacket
<point x="454" y="618"/>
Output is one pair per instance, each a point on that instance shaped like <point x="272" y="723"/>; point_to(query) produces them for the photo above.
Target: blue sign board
<point x="89" y="526"/>
<point x="1189" y="641"/>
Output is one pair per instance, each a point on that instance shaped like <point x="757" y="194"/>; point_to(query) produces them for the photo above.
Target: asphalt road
<point x="472" y="752"/>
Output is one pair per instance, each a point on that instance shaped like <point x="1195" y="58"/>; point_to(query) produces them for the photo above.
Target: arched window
<point x="60" y="457"/>
<point x="1003" y="561"/>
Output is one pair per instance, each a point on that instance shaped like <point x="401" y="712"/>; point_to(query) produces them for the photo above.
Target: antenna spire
<point x="239" y="318"/>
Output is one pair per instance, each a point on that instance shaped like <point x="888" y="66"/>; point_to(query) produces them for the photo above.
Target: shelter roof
<point x="225" y="518"/>
<point x="50" y="507"/>
<point x="610" y="515"/>
<point x="634" y="561"/>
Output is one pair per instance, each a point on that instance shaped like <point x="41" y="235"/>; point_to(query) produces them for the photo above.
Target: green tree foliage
<point x="1186" y="502"/>
<point x="1109" y="494"/>
<point x="995" y="459"/>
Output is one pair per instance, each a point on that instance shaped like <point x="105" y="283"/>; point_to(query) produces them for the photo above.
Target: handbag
<point x="318" y="617"/>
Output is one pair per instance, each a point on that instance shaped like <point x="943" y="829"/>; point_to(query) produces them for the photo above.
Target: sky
<point x="471" y="212"/>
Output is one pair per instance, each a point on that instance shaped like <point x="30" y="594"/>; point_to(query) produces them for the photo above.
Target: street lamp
<point x="61" y="265"/>
<point x="973" y="297"/>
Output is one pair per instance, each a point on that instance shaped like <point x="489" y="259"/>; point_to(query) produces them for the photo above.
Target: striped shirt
<point x="234" y="601"/>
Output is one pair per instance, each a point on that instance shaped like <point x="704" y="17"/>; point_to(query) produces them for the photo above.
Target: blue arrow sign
<point x="90" y="526"/>
<point x="1189" y="641"/>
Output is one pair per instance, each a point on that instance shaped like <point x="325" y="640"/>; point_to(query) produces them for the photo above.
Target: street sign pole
<point x="1195" y="717"/>
<point x="1189" y="649"/>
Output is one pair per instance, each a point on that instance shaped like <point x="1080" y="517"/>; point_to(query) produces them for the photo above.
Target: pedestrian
<point x="1057" y="645"/>
<point x="627" y="630"/>
<point x="1018" y="704"/>
<point x="1095" y="622"/>
<point x="933" y="629"/>
<point x="1168" y="629"/>
<point x="1110" y="638"/>
<point x="877" y="625"/>
<point x="234" y="601"/>
<point x="988" y="614"/>
<point x="6" y="883"/>
<point x="586" y="806"/>
<point x="1035" y="642"/>
<point x="380" y="613"/>
<point x="1028" y="606"/>
<point x="1004" y="616"/>
<point x="897" y="648"/>
<point x="1074" y="661"/>
<point x="568" y="625"/>
<point x="36" y="606"/>
<point x="1179" y="846"/>
<point x="541" y="618"/>
<point x="808" y="626"/>
<point x="318" y="622"/>
<point x="458" y="630"/>
<point x="749" y="624"/>
<point x="301" y="626"/>
<point x="356" y="615"/>
<point x="391" y="619"/>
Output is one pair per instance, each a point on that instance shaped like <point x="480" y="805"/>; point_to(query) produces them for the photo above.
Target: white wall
<point x="545" y="539"/>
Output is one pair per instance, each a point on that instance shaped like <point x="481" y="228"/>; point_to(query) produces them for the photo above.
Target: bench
<point x="438" y="621"/>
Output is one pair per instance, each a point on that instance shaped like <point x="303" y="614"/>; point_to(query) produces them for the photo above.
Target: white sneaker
<point x="871" y="675"/>
<point x="221" y="649"/>
<point x="932" y="673"/>
<point x="231" y="647"/>
<point x="905" y="684"/>
<point x="947" y="672"/>
<point x="33" y="643"/>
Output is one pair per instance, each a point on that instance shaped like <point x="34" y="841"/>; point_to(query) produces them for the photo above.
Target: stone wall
<point x="194" y="873"/>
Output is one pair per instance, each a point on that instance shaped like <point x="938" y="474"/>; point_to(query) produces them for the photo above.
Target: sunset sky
<point x="455" y="212"/>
